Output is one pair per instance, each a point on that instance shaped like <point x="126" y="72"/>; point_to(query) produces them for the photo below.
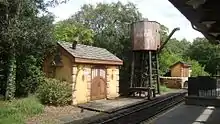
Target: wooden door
<point x="98" y="84"/>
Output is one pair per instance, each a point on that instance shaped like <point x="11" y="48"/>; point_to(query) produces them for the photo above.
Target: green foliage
<point x="205" y="53"/>
<point x="26" y="37"/>
<point x="164" y="89"/>
<point x="173" y="51"/>
<point x="197" y="69"/>
<point x="111" y="26"/>
<point x="177" y="47"/>
<point x="31" y="82"/>
<point x="55" y="92"/>
<point x="201" y="50"/>
<point x="27" y="34"/>
<point x="110" y="23"/>
<point x="17" y="111"/>
<point x="183" y="50"/>
<point x="71" y="31"/>
<point x="166" y="60"/>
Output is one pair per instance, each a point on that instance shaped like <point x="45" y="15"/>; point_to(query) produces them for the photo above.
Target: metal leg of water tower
<point x="132" y="71"/>
<point x="158" y="74"/>
<point x="150" y="75"/>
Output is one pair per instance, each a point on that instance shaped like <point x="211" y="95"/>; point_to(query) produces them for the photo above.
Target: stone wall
<point x="81" y="86"/>
<point x="174" y="82"/>
<point x="112" y="82"/>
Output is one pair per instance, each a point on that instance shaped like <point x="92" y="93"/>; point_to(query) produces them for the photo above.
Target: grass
<point x="164" y="89"/>
<point x="16" y="111"/>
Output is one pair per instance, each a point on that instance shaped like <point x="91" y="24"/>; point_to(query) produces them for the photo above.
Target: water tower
<point x="146" y="45"/>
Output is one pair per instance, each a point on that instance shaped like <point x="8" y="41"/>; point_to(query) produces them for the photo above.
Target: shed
<point x="180" y="69"/>
<point x="92" y="71"/>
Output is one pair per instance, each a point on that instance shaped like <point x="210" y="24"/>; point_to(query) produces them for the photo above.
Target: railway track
<point x="137" y="113"/>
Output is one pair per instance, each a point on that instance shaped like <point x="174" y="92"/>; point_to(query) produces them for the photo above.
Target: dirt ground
<point x="58" y="115"/>
<point x="55" y="115"/>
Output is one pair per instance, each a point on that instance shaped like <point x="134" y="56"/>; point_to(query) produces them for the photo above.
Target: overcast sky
<point x="156" y="10"/>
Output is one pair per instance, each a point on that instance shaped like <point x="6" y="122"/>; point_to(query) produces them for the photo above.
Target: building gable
<point x="181" y="63"/>
<point x="89" y="54"/>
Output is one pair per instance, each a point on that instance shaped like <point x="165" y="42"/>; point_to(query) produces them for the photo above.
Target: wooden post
<point x="150" y="69"/>
<point x="143" y="69"/>
<point x="158" y="74"/>
<point x="150" y="74"/>
<point x="132" y="70"/>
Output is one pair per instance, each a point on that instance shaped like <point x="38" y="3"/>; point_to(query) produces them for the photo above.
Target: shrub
<point x="163" y="88"/>
<point x="29" y="76"/>
<point x="54" y="92"/>
<point x="197" y="69"/>
<point x="30" y="84"/>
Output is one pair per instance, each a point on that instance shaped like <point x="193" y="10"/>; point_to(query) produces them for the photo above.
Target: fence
<point x="204" y="86"/>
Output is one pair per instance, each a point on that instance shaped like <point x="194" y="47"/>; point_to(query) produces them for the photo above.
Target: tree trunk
<point x="11" y="87"/>
<point x="11" y="21"/>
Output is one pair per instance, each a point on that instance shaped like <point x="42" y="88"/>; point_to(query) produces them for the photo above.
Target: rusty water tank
<point x="145" y="35"/>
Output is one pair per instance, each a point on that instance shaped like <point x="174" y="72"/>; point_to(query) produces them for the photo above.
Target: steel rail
<point x="145" y="112"/>
<point x="137" y="114"/>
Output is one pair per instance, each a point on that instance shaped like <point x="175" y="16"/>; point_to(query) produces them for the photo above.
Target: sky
<point x="161" y="11"/>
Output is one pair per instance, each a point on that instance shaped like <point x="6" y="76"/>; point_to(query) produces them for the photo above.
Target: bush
<point x="197" y="69"/>
<point x="28" y="76"/>
<point x="30" y="84"/>
<point x="18" y="110"/>
<point x="54" y="92"/>
<point x="163" y="89"/>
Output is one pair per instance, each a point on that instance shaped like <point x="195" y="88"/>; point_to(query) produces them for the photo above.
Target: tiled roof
<point x="89" y="52"/>
<point x="181" y="62"/>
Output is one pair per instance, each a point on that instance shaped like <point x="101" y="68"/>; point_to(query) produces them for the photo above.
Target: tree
<point x="110" y="23"/>
<point x="24" y="39"/>
<point x="205" y="53"/>
<point x="70" y="31"/>
<point x="176" y="50"/>
<point x="177" y="47"/>
<point x="172" y="52"/>
<point x="10" y="12"/>
<point x="173" y="45"/>
<point x="108" y="26"/>
<point x="111" y="26"/>
<point x="197" y="69"/>
<point x="166" y="60"/>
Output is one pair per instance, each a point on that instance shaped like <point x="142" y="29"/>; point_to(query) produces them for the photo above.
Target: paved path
<point x="186" y="114"/>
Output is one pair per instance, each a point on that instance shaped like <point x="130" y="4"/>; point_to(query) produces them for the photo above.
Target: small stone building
<point x="92" y="71"/>
<point x="178" y="76"/>
<point x="180" y="69"/>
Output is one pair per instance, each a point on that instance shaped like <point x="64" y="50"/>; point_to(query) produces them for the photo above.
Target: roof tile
<point x="89" y="52"/>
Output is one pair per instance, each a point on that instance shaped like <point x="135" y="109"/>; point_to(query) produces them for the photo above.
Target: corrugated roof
<point x="89" y="52"/>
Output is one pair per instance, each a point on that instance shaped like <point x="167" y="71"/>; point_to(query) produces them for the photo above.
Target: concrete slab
<point x="112" y="105"/>
<point x="109" y="106"/>
<point x="188" y="114"/>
